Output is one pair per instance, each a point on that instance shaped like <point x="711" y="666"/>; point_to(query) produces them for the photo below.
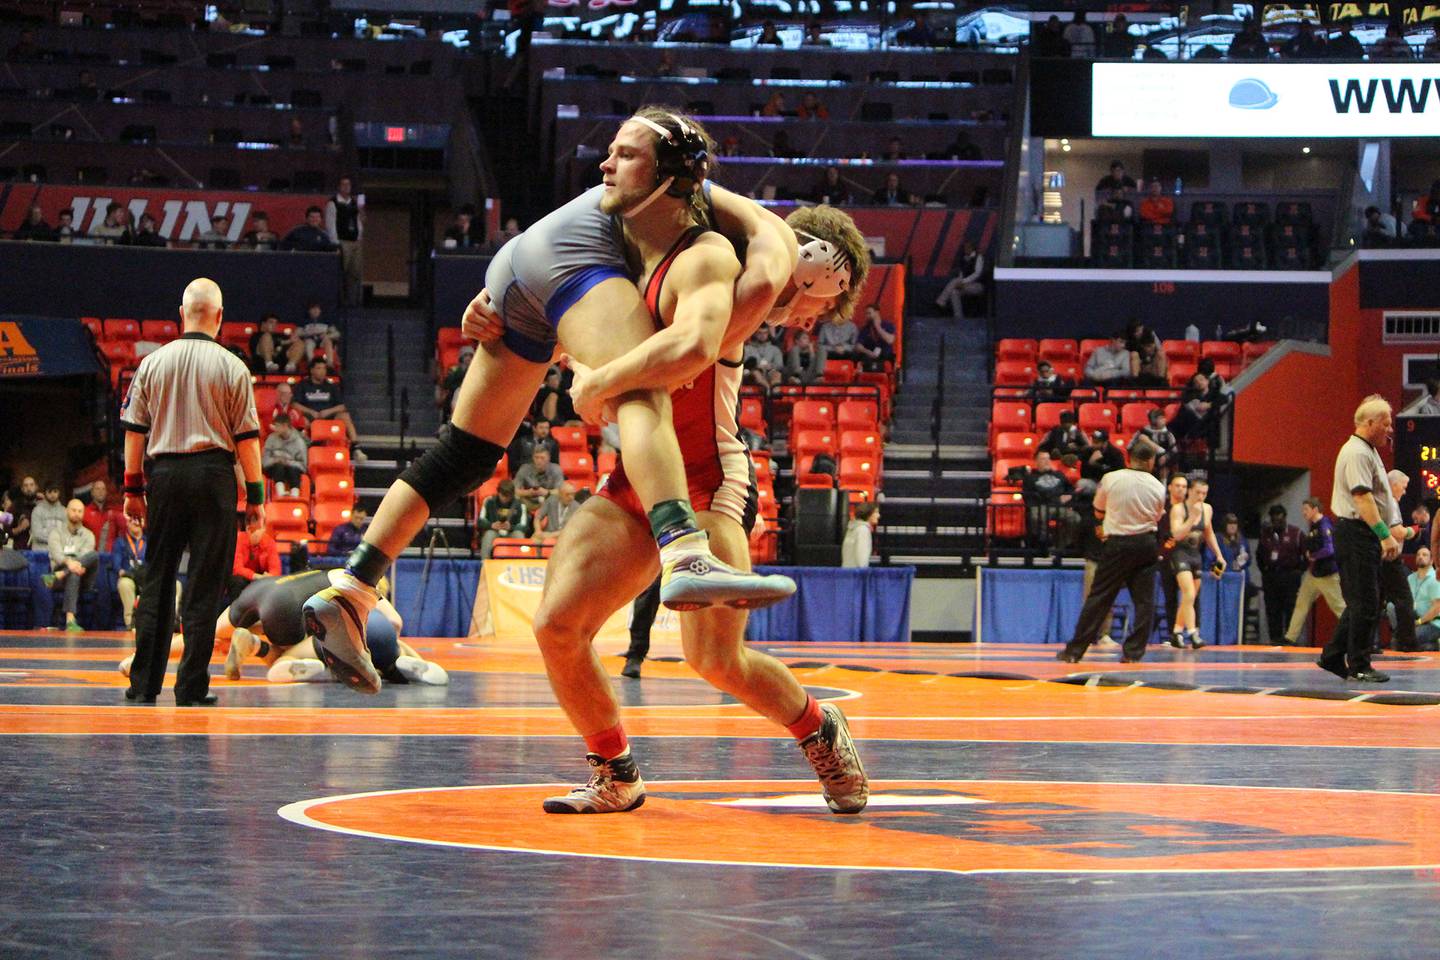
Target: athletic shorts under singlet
<point x="718" y="472"/>
<point x="536" y="277"/>
<point x="277" y="603"/>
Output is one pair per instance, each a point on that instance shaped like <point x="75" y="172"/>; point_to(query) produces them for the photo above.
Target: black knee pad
<point x="453" y="468"/>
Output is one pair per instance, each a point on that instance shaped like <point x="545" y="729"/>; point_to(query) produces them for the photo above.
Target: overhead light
<point x="1064" y="140"/>
<point x="1304" y="149"/>
<point x="1065" y="147"/>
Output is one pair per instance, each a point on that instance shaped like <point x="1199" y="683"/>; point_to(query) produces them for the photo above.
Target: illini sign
<point x="1266" y="100"/>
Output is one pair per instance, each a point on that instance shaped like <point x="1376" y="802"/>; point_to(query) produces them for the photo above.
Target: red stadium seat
<point x="1123" y="395"/>
<point x="288" y="519"/>
<point x="301" y="492"/>
<point x="1089" y="346"/>
<point x="334" y="488"/>
<point x="119" y="328"/>
<point x="839" y="371"/>
<point x="1047" y="415"/>
<point x="1014" y="373"/>
<point x="1016" y="446"/>
<point x="1059" y="350"/>
<point x="605" y="463"/>
<point x="515" y="548"/>
<point x="1134" y="416"/>
<point x="449" y="337"/>
<point x="1182" y="350"/>
<point x="857" y="415"/>
<point x="1001" y="474"/>
<point x="329" y="433"/>
<point x="1254" y="351"/>
<point x="812" y="415"/>
<point x="1010" y="416"/>
<point x="862" y="443"/>
<point x="1181" y="371"/>
<point x="571" y="438"/>
<point x="1014" y="348"/>
<point x="1097" y="416"/>
<point x="1005" y="516"/>
<point x="330" y="460"/>
<point x="159" y="331"/>
<point x="327" y="517"/>
<point x="1228" y="370"/>
<point x="859" y="473"/>
<point x="814" y="441"/>
<point x="578" y="468"/>
<point x="95" y="325"/>
<point x="1222" y="351"/>
<point x="234" y="334"/>
<point x="769" y="509"/>
<point x="752" y="415"/>
<point x="119" y="353"/>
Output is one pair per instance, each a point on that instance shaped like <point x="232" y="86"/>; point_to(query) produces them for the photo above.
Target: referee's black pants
<point x="1395" y="589"/>
<point x="1125" y="562"/>
<point x="642" y="618"/>
<point x="191" y="504"/>
<point x="1357" y="553"/>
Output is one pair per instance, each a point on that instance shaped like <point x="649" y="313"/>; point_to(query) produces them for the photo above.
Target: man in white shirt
<point x="855" y="551"/>
<point x="1109" y="366"/>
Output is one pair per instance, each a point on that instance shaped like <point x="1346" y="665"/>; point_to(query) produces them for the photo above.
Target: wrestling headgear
<point x="682" y="160"/>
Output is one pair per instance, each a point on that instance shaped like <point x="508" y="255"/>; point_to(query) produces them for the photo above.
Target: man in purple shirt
<point x="1282" y="561"/>
<point x="1323" y="577"/>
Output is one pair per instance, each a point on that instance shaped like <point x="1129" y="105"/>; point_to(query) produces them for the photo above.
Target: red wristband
<point x="134" y="483"/>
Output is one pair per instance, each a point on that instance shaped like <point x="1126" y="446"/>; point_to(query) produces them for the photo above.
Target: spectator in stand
<point x="1427" y="208"/>
<point x="460" y="234"/>
<point x="218" y="236"/>
<point x="1049" y="40"/>
<point x="147" y="234"/>
<point x="1218" y="393"/>
<point x="256" y="555"/>
<point x="1249" y="43"/>
<point x="537" y="479"/>
<point x="1430" y="406"/>
<point x="1233" y="548"/>
<point x="764" y="363"/>
<point x="837" y="338"/>
<point x="126" y="557"/>
<point x="832" y="189"/>
<point x="892" y="194"/>
<point x="1048" y="386"/>
<point x="1420" y="520"/>
<point x="1137" y="335"/>
<point x="1305" y="45"/>
<point x="539" y="437"/>
<point x="774" y="107"/>
<point x="1116" y="179"/>
<point x="968" y="282"/>
<point x="1392" y="46"/>
<point x="345" y="223"/>
<point x="284" y="456"/>
<point x="1194" y="419"/>
<point x="1149" y="367"/>
<point x="1158" y="434"/>
<point x="1282" y="561"/>
<point x="804" y="361"/>
<point x="65" y="225"/>
<point x="1344" y="46"/>
<point x="769" y="36"/>
<point x="35" y="228"/>
<point x="116" y="227"/>
<point x="1080" y="36"/>
<point x="1109" y="366"/>
<point x="73" y="560"/>
<point x="1156" y="207"/>
<point x="551" y="401"/>
<point x="104" y="515"/>
<point x="857" y="547"/>
<point x="286" y="407"/>
<point x="310" y="236"/>
<point x="961" y="148"/>
<point x="260" y="236"/>
<point x="1425" y="592"/>
<point x="1117" y="43"/>
<point x="1047" y="494"/>
<point x="811" y="108"/>
<point x="556" y="512"/>
<point x="22" y="505"/>
<point x="47" y="517"/>
<point x="271" y="351"/>
<point x="320" y="400"/>
<point x="1117" y="206"/>
<point x="506" y="233"/>
<point x="295" y="137"/>
<point x="1379" y="230"/>
<point x="1065" y="438"/>
<point x="894" y="150"/>
<point x="445" y="389"/>
<point x="876" y="343"/>
<point x="7" y="521"/>
<point x="781" y="147"/>
<point x="920" y="33"/>
<point x="813" y="36"/>
<point x="347" y="536"/>
<point x="1101" y="457"/>
<point x="1322" y="579"/>
<point x="501" y="515"/>
<point x="317" y="334"/>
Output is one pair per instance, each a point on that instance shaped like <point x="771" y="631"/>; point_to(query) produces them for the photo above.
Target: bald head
<point x="202" y="306"/>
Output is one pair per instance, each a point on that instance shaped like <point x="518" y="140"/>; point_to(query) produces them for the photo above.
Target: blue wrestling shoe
<point x="335" y="623"/>
<point x="692" y="578"/>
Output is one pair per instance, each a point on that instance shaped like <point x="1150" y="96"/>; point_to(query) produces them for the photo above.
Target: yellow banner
<point x="509" y="595"/>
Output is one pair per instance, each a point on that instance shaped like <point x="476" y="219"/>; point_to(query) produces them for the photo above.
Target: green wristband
<point x="1380" y="530"/>
<point x="255" y="493"/>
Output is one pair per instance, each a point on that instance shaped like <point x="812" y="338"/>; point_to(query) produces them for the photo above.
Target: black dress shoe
<point x="632" y="667"/>
<point x="1336" y="667"/>
<point x="136" y="697"/>
<point x="1369" y="676"/>
<point x="209" y="700"/>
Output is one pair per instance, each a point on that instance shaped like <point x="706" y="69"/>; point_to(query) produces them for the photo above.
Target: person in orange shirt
<point x="255" y="556"/>
<point x="1427" y="208"/>
<point x="1156" y="207"/>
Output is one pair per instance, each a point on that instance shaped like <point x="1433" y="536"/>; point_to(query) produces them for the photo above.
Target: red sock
<point x="809" y="720"/>
<point x="608" y="744"/>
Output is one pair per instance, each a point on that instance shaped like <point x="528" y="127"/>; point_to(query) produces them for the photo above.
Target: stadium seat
<point x="1254" y="351"/>
<point x="812" y="415"/>
<point x="804" y="442"/>
<point x="1202" y="255"/>
<point x="1016" y="446"/>
<point x="1005" y="515"/>
<point x="1208" y="211"/>
<point x="1014" y="373"/>
<point x="1058" y="350"/>
<point x="765" y="496"/>
<point x="605" y="463"/>
<point x="570" y="438"/>
<point x="118" y="353"/>
<point x="839" y="371"/>
<point x="1180" y="373"/>
<point x="95" y="325"/>
<point x="515" y="548"/>
<point x="857" y="415"/>
<point x="327" y="517"/>
<point x="329" y="433"/>
<point x="301" y="492"/>
<point x="334" y="488"/>
<point x="1089" y="346"/>
<point x="578" y="468"/>
<point x="1123" y="395"/>
<point x="1134" y="416"/>
<point x="1003" y="465"/>
<point x="1182" y="350"/>
<point x="1247" y="255"/>
<point x="859" y="473"/>
<point x="159" y="331"/>
<point x="752" y="415"/>
<point x="1250" y="213"/>
<point x="860" y="443"/>
<point x="235" y="334"/>
<point x="328" y="459"/>
<point x="1222" y="351"/>
<point x="1010" y="416"/>
<point x="1097" y="416"/>
<point x="119" y="328"/>
<point x="1047" y="415"/>
<point x="288" y="519"/>
<point x="1015" y="348"/>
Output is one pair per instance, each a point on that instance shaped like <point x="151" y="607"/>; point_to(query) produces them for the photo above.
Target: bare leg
<point x="1185" y="613"/>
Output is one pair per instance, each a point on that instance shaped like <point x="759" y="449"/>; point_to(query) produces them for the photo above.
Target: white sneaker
<point x="296" y="670"/>
<point x="242" y="647"/>
<point x="358" y="456"/>
<point x="125" y="665"/>
<point x="335" y="620"/>
<point x="422" y="671"/>
<point x="615" y="786"/>
<point x="692" y="578"/>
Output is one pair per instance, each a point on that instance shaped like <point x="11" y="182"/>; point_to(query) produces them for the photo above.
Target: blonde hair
<point x="1370" y="408"/>
<point x="673" y="121"/>
<point x="835" y="226"/>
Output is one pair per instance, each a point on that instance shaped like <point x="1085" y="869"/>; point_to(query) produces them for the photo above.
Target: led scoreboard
<point x="1417" y="454"/>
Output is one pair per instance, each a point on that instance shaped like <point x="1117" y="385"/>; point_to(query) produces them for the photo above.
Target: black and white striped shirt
<point x="191" y="395"/>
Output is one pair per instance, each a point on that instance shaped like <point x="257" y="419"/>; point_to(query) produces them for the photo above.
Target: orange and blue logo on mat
<point x="953" y="826"/>
<point x="17" y="356"/>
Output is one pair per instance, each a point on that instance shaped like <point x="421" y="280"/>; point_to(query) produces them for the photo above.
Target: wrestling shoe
<point x="615" y="786"/>
<point x="296" y="670"/>
<point x="242" y="646"/>
<point x="335" y="620"/>
<point x="422" y="671"/>
<point x="1193" y="636"/>
<point x="1177" y="640"/>
<point x="832" y="753"/>
<point x="692" y="578"/>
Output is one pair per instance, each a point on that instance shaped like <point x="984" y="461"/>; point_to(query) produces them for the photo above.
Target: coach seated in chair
<point x="73" y="561"/>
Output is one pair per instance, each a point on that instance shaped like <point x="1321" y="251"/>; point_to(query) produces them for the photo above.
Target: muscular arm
<point x="1180" y="527"/>
<point x="246" y="451"/>
<point x="703" y="280"/>
<point x="771" y="253"/>
<point x="1208" y="512"/>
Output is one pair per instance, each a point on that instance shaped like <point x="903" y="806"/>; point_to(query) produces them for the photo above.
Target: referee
<point x="1129" y="504"/>
<point x="1361" y="502"/>
<point x="191" y="412"/>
